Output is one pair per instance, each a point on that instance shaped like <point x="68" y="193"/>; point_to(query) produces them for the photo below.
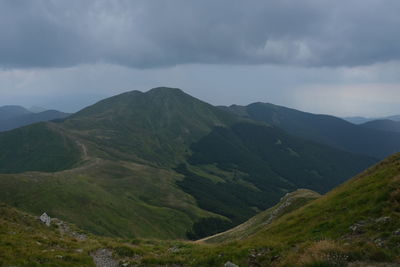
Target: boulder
<point x="45" y="219"/>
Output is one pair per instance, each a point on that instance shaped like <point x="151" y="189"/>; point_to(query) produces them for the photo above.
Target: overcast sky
<point x="323" y="56"/>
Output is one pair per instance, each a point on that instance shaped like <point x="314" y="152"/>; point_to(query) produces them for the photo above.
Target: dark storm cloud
<point x="147" y="33"/>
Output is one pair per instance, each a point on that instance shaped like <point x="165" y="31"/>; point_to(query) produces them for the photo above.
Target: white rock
<point x="230" y="264"/>
<point x="45" y="219"/>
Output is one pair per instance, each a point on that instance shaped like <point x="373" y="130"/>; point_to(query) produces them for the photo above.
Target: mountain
<point x="358" y="119"/>
<point x="384" y="125"/>
<point x="30" y="118"/>
<point x="356" y="224"/>
<point x="393" y="118"/>
<point x="36" y="109"/>
<point x="324" y="129"/>
<point x="12" y="117"/>
<point x="9" y="112"/>
<point x="362" y="120"/>
<point x="161" y="164"/>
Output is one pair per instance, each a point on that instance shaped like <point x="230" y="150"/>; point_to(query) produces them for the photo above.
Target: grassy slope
<point x="119" y="199"/>
<point x="317" y="234"/>
<point x="39" y="147"/>
<point x="288" y="203"/>
<point x="24" y="241"/>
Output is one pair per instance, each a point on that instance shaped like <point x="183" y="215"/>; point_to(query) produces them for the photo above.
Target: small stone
<point x="383" y="219"/>
<point x="379" y="242"/>
<point x="397" y="232"/>
<point x="45" y="219"/>
<point x="174" y="249"/>
<point x="230" y="264"/>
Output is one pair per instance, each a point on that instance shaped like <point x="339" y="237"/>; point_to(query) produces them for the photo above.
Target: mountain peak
<point x="165" y="90"/>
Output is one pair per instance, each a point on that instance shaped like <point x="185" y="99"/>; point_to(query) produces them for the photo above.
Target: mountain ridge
<point x="324" y="129"/>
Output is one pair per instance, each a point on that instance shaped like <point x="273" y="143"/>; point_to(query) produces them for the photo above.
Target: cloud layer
<point x="152" y="34"/>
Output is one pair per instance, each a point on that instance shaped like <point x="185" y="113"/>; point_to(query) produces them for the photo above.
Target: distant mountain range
<point x="163" y="164"/>
<point x="324" y="129"/>
<point x="12" y="117"/>
<point x="384" y="125"/>
<point x="361" y="120"/>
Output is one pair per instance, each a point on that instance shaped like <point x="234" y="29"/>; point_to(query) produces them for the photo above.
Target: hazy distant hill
<point x="361" y="120"/>
<point x="358" y="119"/>
<point x="30" y="118"/>
<point x="384" y="125"/>
<point x="12" y="117"/>
<point x="9" y="112"/>
<point x="161" y="164"/>
<point x="324" y="129"/>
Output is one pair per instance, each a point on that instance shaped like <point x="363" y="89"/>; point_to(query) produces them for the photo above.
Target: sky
<point x="321" y="56"/>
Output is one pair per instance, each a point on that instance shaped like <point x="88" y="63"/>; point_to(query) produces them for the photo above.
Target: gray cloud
<point x="150" y="33"/>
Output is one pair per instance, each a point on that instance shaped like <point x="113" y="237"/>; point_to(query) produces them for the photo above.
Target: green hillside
<point x="356" y="224"/>
<point x="39" y="147"/>
<point x="108" y="198"/>
<point x="25" y="241"/>
<point x="290" y="202"/>
<point x="161" y="164"/>
<point x="156" y="126"/>
<point x="324" y="129"/>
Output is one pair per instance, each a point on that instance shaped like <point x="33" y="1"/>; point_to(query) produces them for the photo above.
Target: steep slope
<point x="384" y="125"/>
<point x="27" y="118"/>
<point x="161" y="164"/>
<point x="290" y="202"/>
<point x="358" y="221"/>
<point x="325" y="129"/>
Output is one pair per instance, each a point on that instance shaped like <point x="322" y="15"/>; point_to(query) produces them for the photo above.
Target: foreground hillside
<point x="356" y="224"/>
<point x="287" y="204"/>
<point x="161" y="164"/>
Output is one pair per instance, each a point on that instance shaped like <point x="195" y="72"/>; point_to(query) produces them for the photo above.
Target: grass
<point x="114" y="199"/>
<point x="315" y="234"/>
